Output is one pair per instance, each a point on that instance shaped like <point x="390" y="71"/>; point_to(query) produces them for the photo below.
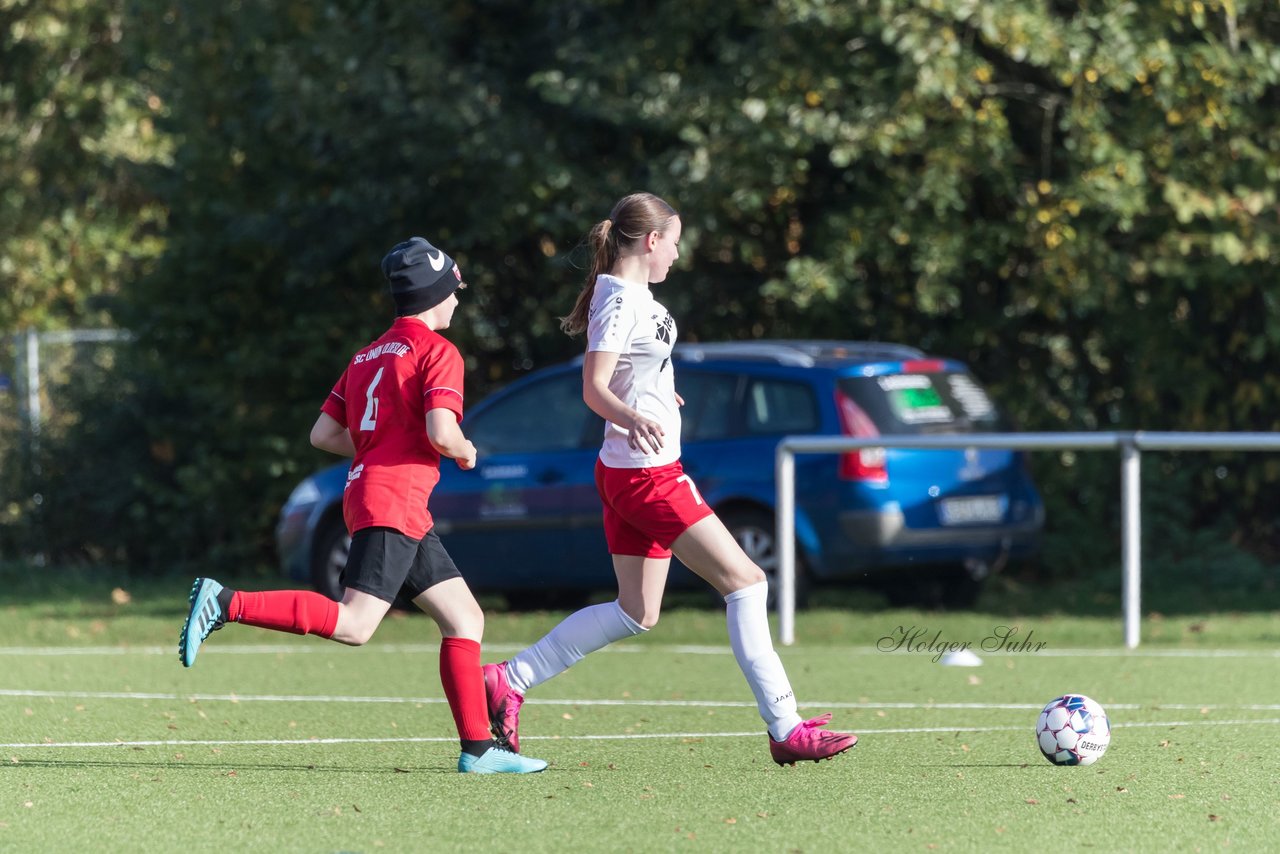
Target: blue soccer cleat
<point x="204" y="617"/>
<point x="499" y="760"/>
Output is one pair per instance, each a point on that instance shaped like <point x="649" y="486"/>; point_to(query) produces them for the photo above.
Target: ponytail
<point x="602" y="239"/>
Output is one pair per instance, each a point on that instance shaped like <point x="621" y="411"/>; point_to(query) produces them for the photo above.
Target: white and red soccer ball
<point x="1073" y="730"/>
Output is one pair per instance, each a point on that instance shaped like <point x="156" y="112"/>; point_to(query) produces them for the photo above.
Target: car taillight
<point x="867" y="464"/>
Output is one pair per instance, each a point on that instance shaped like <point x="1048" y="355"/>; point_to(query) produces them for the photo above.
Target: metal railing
<point x="27" y="346"/>
<point x="1131" y="445"/>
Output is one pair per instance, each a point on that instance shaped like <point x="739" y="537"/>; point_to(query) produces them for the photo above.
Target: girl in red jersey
<point x="652" y="509"/>
<point x="395" y="410"/>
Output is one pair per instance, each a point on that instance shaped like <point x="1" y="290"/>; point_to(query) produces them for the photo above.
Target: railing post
<point x="785" y="465"/>
<point x="33" y="381"/>
<point x="1131" y="538"/>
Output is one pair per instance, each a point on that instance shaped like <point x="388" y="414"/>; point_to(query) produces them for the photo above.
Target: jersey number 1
<point x="370" y="419"/>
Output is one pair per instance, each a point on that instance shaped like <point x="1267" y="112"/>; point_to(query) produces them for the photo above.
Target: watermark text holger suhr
<point x="913" y="639"/>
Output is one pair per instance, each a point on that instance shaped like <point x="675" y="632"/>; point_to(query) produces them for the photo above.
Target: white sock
<point x="748" y="619"/>
<point x="578" y="634"/>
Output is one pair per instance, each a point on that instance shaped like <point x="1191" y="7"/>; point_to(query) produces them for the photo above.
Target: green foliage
<point x="75" y="218"/>
<point x="1077" y="199"/>
<point x="1195" y="554"/>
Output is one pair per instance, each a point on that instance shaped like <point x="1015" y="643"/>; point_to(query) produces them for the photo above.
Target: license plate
<point x="971" y="510"/>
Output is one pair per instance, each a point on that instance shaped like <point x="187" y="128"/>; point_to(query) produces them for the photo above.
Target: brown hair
<point x="632" y="218"/>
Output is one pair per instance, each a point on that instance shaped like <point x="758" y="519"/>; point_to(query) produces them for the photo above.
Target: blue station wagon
<point x="926" y="526"/>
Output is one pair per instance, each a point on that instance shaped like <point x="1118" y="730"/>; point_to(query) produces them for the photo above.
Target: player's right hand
<point x="468" y="461"/>
<point x="645" y="435"/>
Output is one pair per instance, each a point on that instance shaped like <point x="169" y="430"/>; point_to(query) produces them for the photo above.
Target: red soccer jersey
<point x="382" y="398"/>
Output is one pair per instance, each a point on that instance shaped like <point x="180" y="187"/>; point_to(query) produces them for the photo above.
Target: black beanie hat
<point x="420" y="276"/>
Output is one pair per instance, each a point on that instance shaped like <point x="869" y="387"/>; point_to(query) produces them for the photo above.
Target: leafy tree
<point x="75" y="128"/>
<point x="77" y="132"/>
<point x="1078" y="199"/>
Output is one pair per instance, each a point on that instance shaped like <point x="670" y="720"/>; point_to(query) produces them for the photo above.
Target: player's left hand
<point x="679" y="399"/>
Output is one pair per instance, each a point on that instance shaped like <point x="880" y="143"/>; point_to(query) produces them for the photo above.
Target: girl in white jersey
<point x="652" y="509"/>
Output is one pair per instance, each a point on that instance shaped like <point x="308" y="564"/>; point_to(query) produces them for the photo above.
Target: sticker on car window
<point x="971" y="397"/>
<point x="914" y="400"/>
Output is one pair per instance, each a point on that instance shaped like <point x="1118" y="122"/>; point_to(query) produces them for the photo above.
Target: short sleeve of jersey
<point x="613" y="321"/>
<point x="335" y="405"/>
<point x="442" y="379"/>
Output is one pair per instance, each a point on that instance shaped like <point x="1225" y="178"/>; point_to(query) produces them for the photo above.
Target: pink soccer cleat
<point x="809" y="741"/>
<point x="504" y="705"/>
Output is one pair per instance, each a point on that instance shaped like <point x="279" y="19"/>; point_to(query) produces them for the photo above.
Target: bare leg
<point x="714" y="555"/>
<point x="641" y="583"/>
<point x="359" y="615"/>
<point x="453" y="607"/>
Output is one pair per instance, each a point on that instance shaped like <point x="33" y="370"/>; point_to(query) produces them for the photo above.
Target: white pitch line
<point x="719" y="704"/>
<point x="314" y="698"/>
<point x="302" y="742"/>
<point x="680" y="649"/>
<point x="1130" y="653"/>
<point x="307" y="649"/>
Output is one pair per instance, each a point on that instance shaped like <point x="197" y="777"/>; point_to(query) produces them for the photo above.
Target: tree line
<point x="1078" y="199"/>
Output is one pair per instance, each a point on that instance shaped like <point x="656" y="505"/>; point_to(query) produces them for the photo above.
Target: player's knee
<point x="463" y="621"/>
<point x="470" y="624"/>
<point x="362" y="637"/>
<point x="355" y="633"/>
<point x="642" y="614"/>
<point x="745" y="575"/>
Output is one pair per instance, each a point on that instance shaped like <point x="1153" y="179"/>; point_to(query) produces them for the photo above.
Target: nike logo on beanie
<point x="418" y="275"/>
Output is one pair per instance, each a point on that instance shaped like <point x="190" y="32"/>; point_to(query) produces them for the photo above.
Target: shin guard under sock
<point x="300" y="612"/>
<point x="748" y="621"/>
<point x="463" y="682"/>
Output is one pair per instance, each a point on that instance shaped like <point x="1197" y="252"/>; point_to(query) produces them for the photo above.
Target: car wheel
<point x="754" y="531"/>
<point x="329" y="558"/>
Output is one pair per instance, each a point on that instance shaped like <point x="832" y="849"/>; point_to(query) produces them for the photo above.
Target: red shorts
<point x="645" y="510"/>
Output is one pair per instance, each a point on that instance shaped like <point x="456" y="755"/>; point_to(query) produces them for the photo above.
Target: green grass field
<point x="277" y="743"/>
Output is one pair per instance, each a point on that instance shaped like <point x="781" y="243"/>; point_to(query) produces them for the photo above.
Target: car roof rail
<point x="802" y="353"/>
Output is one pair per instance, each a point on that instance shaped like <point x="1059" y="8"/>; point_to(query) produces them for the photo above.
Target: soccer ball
<point x="1073" y="730"/>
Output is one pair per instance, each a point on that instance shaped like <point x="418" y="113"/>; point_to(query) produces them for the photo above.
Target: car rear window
<point x="924" y="402"/>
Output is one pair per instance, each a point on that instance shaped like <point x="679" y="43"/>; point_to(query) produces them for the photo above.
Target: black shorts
<point x="385" y="563"/>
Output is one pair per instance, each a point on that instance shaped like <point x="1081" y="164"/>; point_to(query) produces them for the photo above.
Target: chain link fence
<point x="44" y="378"/>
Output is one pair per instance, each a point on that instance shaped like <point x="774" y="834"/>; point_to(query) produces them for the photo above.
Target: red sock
<point x="298" y="611"/>
<point x="464" y="687"/>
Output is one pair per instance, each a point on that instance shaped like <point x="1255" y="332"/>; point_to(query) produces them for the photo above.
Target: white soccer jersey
<point x="625" y="319"/>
